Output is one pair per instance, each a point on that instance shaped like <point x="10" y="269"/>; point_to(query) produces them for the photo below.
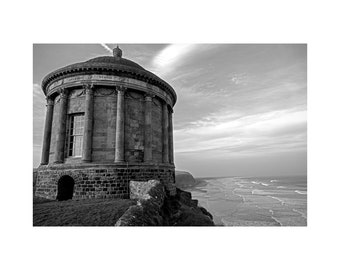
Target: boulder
<point x="156" y="208"/>
<point x="150" y="198"/>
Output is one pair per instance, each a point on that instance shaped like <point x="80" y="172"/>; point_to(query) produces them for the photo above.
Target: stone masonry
<point x="101" y="182"/>
<point x="108" y="121"/>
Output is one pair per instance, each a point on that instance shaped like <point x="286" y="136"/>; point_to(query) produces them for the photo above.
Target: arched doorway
<point x="65" y="188"/>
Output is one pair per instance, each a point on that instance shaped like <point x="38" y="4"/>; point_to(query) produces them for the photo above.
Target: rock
<point x="150" y="198"/>
<point x="184" y="179"/>
<point x="206" y="212"/>
<point x="141" y="215"/>
<point x="184" y="197"/>
<point x="190" y="216"/>
<point x="150" y="190"/>
<point x="156" y="208"/>
<point x="181" y="210"/>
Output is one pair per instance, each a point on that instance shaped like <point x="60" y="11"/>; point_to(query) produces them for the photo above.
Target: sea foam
<point x="301" y="192"/>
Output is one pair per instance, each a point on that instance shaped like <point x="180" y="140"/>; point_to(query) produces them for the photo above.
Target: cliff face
<point x="184" y="179"/>
<point x="156" y="208"/>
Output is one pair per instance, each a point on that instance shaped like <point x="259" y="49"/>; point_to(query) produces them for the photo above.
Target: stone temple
<point x="108" y="121"/>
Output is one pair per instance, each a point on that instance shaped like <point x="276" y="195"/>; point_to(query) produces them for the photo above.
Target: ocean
<point x="254" y="201"/>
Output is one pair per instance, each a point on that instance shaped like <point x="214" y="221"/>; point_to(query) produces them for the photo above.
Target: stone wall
<point x="134" y="127"/>
<point x="157" y="142"/>
<point x="104" y="125"/>
<point x="76" y="102"/>
<point x="101" y="182"/>
<point x="35" y="175"/>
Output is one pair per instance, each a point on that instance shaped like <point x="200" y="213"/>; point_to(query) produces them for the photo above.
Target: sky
<point x="241" y="108"/>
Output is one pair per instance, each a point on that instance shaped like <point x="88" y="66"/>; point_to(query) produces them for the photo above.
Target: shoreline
<point x="246" y="202"/>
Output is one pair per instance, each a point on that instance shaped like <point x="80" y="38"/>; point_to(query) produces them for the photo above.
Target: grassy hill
<point x="94" y="212"/>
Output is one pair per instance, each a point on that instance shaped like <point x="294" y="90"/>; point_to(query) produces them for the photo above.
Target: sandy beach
<point x="241" y="201"/>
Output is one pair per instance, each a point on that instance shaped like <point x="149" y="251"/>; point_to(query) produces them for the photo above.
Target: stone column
<point x="61" y="130"/>
<point x="47" y="132"/>
<point x="119" y="151"/>
<point x="171" y="138"/>
<point x="88" y="124"/>
<point x="165" y="133"/>
<point x="148" y="129"/>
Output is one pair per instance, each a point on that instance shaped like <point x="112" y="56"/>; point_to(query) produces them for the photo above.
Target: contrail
<point x="106" y="47"/>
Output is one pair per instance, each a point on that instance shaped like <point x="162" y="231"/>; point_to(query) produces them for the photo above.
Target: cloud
<point x="233" y="100"/>
<point x="107" y="48"/>
<point x="225" y="133"/>
<point x="238" y="78"/>
<point x="172" y="56"/>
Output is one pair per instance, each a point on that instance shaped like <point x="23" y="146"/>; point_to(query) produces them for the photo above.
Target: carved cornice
<point x="118" y="69"/>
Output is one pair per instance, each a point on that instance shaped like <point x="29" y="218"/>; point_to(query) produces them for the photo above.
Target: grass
<point x="94" y="212"/>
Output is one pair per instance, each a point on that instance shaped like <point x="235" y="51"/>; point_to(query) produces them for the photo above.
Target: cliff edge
<point x="157" y="208"/>
<point x="184" y="179"/>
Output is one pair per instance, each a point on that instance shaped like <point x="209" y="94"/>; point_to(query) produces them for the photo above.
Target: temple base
<point x="100" y="181"/>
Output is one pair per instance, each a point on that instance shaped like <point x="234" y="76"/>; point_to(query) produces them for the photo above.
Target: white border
<point x="27" y="22"/>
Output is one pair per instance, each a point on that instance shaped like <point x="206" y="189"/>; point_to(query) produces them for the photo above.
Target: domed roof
<point x="113" y="61"/>
<point x="114" y="64"/>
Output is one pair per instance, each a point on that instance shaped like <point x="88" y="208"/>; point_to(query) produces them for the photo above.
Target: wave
<point x="242" y="197"/>
<point x="256" y="192"/>
<point x="280" y="187"/>
<point x="274" y="180"/>
<point x="301" y="213"/>
<point x="301" y="192"/>
<point x="260" y="183"/>
<point x="275" y="198"/>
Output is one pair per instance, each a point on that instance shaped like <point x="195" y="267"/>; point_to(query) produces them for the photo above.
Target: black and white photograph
<point x="170" y="134"/>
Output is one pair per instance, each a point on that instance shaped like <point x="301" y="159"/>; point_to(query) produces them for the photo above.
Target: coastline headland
<point x="150" y="204"/>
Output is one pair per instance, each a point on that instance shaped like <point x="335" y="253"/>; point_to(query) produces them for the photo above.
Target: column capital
<point x="165" y="105"/>
<point x="88" y="88"/>
<point x="148" y="96"/>
<point x="63" y="93"/>
<point x="121" y="89"/>
<point x="49" y="101"/>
